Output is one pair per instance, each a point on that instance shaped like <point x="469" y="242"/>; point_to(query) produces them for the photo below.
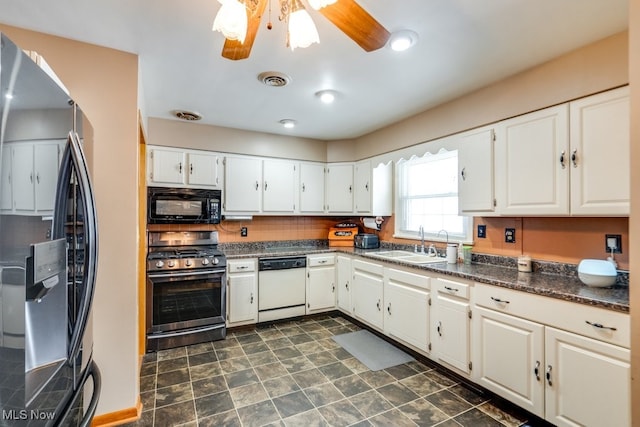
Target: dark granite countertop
<point x="561" y="286"/>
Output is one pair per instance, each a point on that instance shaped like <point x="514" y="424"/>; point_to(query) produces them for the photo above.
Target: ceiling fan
<point x="347" y="15"/>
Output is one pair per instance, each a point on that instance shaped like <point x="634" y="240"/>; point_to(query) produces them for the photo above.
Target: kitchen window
<point x="427" y="196"/>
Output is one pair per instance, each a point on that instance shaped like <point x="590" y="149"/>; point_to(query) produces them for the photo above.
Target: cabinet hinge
<point x="217" y="161"/>
<point x="470" y="366"/>
<point x="151" y="176"/>
<point x="429" y="305"/>
<point x="151" y="155"/>
<point x="224" y="161"/>
<point x="308" y="275"/>
<point x="495" y="203"/>
<point x="429" y="346"/>
<point x="493" y="135"/>
<point x="470" y="315"/>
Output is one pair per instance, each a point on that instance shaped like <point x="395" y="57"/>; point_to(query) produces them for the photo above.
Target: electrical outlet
<point x="243" y="232"/>
<point x="613" y="241"/>
<point x="510" y="235"/>
<point x="482" y="231"/>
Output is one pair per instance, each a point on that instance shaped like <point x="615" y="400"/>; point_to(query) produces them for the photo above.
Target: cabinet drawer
<point x="369" y="267"/>
<point x="320" y="260"/>
<point x="406" y="278"/>
<point x="450" y="287"/>
<point x="241" y="266"/>
<point x="594" y="322"/>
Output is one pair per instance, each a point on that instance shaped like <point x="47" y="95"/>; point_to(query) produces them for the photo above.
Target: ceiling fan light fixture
<point x="402" y="40"/>
<point x="319" y="4"/>
<point x="288" y="123"/>
<point x="231" y="20"/>
<point x="302" y="30"/>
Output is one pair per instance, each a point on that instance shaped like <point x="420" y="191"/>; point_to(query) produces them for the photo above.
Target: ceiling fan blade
<point x="235" y="50"/>
<point x="356" y="23"/>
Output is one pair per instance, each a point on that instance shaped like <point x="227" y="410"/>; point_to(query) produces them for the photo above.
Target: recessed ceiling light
<point x="288" y="123"/>
<point x="402" y="40"/>
<point x="327" y="96"/>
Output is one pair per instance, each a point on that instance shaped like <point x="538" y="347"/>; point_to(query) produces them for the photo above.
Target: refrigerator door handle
<point x="93" y="372"/>
<point x="74" y="158"/>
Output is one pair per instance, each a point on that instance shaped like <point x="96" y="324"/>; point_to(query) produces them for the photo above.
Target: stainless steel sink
<point x="408" y="257"/>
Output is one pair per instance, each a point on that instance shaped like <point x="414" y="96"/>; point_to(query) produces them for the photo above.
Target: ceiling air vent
<point x="189" y="116"/>
<point x="274" y="78"/>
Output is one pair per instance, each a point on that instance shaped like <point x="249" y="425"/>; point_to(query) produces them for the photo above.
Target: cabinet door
<point x="321" y="289"/>
<point x="340" y="188"/>
<point x="312" y="187"/>
<point x="46" y="165"/>
<point x="343" y="282"/>
<point x="23" y="177"/>
<point x="243" y="297"/>
<point x="406" y="309"/>
<point x="509" y="358"/>
<point x="279" y="186"/>
<point x="243" y="181"/>
<point x="451" y="324"/>
<point x="203" y="169"/>
<point x="599" y="159"/>
<point x="167" y="167"/>
<point x="532" y="163"/>
<point x="475" y="173"/>
<point x="363" y="184"/>
<point x="588" y="381"/>
<point x="6" y="194"/>
<point x="367" y="295"/>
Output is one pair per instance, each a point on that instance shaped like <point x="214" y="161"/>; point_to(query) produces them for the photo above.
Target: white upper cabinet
<point x="340" y="188"/>
<point x="532" y="161"/>
<point x="243" y="178"/>
<point x="31" y="176"/>
<point x="599" y="158"/>
<point x="311" y="188"/>
<point x="174" y="167"/>
<point x="279" y="186"/>
<point x="373" y="188"/>
<point x="476" y="172"/>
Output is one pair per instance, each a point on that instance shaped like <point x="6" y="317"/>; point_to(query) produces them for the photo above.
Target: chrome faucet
<point x="445" y="233"/>
<point x="421" y="231"/>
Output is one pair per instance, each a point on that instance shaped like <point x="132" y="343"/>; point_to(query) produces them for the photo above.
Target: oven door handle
<point x="186" y="273"/>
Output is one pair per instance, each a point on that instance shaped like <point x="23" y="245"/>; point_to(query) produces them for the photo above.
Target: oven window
<point x="186" y="303"/>
<point x="179" y="207"/>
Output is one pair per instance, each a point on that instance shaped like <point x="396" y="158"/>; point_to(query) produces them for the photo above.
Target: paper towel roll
<point x="371" y="223"/>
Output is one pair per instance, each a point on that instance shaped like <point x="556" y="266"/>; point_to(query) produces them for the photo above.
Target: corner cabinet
<point x="373" y="188"/>
<point x="321" y="283"/>
<point x="242" y="292"/>
<point x="171" y="167"/>
<point x="568" y="363"/>
<point x="476" y="172"/>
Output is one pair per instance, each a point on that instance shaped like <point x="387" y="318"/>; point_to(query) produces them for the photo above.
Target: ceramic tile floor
<point x="294" y="374"/>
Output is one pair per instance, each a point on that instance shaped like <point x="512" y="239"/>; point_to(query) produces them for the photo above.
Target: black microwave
<point x="183" y="206"/>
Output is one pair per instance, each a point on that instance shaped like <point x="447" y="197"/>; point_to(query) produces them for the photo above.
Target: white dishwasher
<point x="281" y="287"/>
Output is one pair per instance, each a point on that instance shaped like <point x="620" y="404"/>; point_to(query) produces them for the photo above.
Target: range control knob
<point x="205" y="261"/>
<point x="215" y="261"/>
<point x="159" y="264"/>
<point x="171" y="264"/>
<point x="188" y="263"/>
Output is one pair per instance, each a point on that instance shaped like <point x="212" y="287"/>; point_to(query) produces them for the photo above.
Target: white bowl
<point x="597" y="273"/>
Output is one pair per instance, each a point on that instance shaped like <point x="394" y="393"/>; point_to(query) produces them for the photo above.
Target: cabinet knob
<point x="549" y="375"/>
<point x="378" y="305"/>
<point x="562" y="159"/>
<point x="439" y="328"/>
<point x="346" y="285"/>
<point x="463" y="174"/>
<point x="251" y="298"/>
<point x="389" y="309"/>
<point x="574" y="157"/>
<point x="536" y="370"/>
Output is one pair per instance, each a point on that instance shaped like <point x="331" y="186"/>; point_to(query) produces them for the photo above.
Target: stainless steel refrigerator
<point x="48" y="249"/>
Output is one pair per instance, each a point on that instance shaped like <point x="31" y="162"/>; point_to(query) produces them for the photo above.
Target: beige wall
<point x="594" y="68"/>
<point x="175" y="133"/>
<point x="104" y="83"/>
<point x="634" y="222"/>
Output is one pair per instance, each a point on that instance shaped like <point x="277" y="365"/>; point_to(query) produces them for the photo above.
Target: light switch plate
<point x="482" y="231"/>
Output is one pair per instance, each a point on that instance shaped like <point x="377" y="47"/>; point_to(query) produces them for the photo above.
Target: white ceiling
<point x="464" y="45"/>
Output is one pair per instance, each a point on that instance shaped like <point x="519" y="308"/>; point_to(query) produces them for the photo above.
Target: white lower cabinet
<point x="367" y="296"/>
<point x="242" y="292"/>
<point x="451" y="324"/>
<point x="406" y="307"/>
<point x="574" y="376"/>
<point x="321" y="283"/>
<point x="343" y="283"/>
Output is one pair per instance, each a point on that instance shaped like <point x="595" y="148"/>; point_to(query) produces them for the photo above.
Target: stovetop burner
<point x="170" y="251"/>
